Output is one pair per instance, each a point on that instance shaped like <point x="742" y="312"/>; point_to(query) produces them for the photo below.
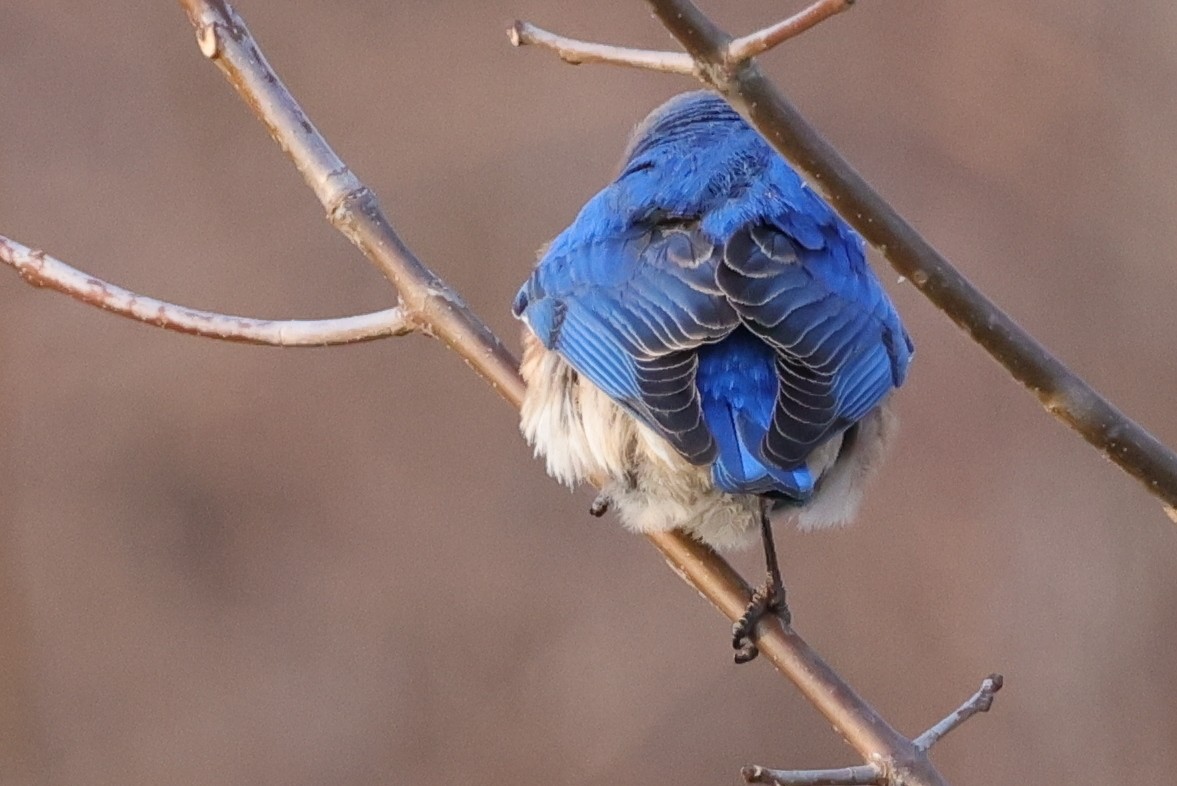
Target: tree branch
<point x="576" y="52"/>
<point x="761" y="41"/>
<point x="42" y="270"/>
<point x="352" y="208"/>
<point x="862" y="775"/>
<point x="980" y="701"/>
<point x="1063" y="393"/>
<point x="876" y="773"/>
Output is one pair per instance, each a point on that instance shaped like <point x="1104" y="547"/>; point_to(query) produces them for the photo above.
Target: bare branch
<point x="761" y="41"/>
<point x="854" y="719"/>
<point x="980" y="701"/>
<point x="576" y="52"/>
<point x="862" y="775"/>
<point x="351" y="206"/>
<point x="1063" y="393"/>
<point x="42" y="270"/>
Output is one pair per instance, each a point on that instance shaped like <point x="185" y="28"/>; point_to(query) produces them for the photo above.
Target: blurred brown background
<point x="227" y="564"/>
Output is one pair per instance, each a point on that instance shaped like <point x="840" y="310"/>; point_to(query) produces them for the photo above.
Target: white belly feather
<point x="585" y="437"/>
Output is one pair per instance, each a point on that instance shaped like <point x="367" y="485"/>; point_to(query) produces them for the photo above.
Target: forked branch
<point x="725" y="65"/>
<point x="880" y="773"/>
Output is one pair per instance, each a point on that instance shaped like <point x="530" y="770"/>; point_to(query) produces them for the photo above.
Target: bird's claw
<point x="769" y="598"/>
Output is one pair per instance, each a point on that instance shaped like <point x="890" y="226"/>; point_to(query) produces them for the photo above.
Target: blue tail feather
<point x="738" y="384"/>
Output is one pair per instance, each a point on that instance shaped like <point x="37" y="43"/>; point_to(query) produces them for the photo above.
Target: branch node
<point x="208" y="40"/>
<point x="515" y="33"/>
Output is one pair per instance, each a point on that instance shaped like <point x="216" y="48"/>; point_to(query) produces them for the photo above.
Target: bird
<point x="707" y="344"/>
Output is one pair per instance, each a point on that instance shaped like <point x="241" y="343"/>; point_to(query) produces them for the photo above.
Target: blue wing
<point x="628" y="309"/>
<point x="746" y="354"/>
<point x="839" y="346"/>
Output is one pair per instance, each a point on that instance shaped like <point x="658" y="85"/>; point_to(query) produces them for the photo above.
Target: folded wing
<point x="632" y="310"/>
<point x="628" y="311"/>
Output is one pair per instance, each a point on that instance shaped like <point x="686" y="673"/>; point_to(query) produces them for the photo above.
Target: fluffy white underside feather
<point x="585" y="437"/>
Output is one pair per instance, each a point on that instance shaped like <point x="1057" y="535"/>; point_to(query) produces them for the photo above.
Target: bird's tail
<point x="738" y="386"/>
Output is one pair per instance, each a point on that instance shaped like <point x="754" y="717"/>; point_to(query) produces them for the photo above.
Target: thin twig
<point x="576" y="52"/>
<point x="862" y="775"/>
<point x="980" y="701"/>
<point x="42" y="270"/>
<point x="1063" y="393"/>
<point x="761" y="41"/>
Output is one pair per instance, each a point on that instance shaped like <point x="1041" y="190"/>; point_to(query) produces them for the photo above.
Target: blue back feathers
<point x="720" y="301"/>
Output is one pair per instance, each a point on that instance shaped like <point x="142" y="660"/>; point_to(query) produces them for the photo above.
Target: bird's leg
<point x="769" y="598"/>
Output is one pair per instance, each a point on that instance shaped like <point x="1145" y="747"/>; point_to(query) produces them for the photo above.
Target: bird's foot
<point x="601" y="504"/>
<point x="769" y="598"/>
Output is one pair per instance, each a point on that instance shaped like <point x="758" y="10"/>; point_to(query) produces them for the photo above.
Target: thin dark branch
<point x="862" y="775"/>
<point x="42" y="270"/>
<point x="980" y="701"/>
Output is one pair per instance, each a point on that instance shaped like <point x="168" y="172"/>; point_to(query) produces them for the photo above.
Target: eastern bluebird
<point x="708" y="344"/>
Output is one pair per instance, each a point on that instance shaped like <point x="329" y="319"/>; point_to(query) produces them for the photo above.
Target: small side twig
<point x="862" y="775"/>
<point x="866" y="774"/>
<point x="980" y="701"/>
<point x="749" y="46"/>
<point x="577" y="52"/>
<point x="735" y="52"/>
<point x="42" y="270"/>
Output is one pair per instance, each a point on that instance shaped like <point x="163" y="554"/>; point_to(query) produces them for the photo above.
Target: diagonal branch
<point x="761" y="41"/>
<point x="876" y="772"/>
<point x="42" y="270"/>
<point x="351" y="207"/>
<point x="1062" y="392"/>
<point x="980" y="701"/>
